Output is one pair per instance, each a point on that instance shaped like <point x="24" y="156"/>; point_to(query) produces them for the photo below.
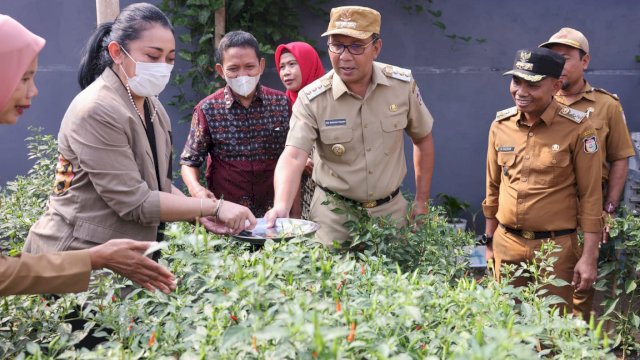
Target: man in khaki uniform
<point x="543" y="177"/>
<point x="356" y="115"/>
<point x="606" y="115"/>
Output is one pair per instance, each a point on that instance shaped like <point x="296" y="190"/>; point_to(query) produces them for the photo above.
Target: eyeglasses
<point x="354" y="49"/>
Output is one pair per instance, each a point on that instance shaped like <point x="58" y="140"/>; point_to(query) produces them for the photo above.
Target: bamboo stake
<point x="107" y="10"/>
<point x="220" y="21"/>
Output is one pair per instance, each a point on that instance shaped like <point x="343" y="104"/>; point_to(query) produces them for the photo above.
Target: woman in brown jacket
<point x="113" y="177"/>
<point x="68" y="271"/>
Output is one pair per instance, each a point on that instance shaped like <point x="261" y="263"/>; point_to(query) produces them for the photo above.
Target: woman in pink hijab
<point x="68" y="271"/>
<point x="298" y="66"/>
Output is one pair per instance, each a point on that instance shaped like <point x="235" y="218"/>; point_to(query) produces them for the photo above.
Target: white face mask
<point x="243" y="85"/>
<point x="150" y="78"/>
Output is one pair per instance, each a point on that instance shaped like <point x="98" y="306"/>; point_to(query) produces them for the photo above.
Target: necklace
<point x="155" y="108"/>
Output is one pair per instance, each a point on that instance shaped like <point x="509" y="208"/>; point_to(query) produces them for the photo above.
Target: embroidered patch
<point x="587" y="133"/>
<point x="506" y="148"/>
<point x="335" y="122"/>
<point x="590" y="144"/>
<point x="64" y="176"/>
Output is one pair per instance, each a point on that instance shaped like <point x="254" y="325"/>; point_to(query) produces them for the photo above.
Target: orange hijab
<point x="18" y="48"/>
<point x="308" y="60"/>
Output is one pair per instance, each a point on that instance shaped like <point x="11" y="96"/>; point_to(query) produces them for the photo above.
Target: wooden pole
<point x="107" y="10"/>
<point x="220" y="21"/>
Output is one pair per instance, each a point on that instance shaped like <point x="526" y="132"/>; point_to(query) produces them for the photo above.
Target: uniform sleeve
<point x="102" y="147"/>
<point x="199" y="142"/>
<point x="619" y="145"/>
<point x="587" y="162"/>
<point x="303" y="127"/>
<point x="48" y="273"/>
<point x="420" y="119"/>
<point x="490" y="203"/>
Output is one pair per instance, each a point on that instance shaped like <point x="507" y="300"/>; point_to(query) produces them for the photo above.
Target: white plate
<point x="284" y="229"/>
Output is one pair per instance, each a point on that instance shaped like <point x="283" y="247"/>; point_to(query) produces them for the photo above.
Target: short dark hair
<point x="582" y="53"/>
<point x="237" y="38"/>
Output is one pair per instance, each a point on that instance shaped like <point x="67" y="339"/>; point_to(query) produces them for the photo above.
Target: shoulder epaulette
<point x="397" y="73"/>
<point x="506" y="113"/>
<point x="317" y="87"/>
<point x="608" y="93"/>
<point x="573" y="114"/>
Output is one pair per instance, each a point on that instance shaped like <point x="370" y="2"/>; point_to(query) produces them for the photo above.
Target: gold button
<point x="526" y="157"/>
<point x="530" y="134"/>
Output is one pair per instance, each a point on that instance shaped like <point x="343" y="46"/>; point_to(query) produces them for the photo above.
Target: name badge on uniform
<point x="335" y="122"/>
<point x="506" y="148"/>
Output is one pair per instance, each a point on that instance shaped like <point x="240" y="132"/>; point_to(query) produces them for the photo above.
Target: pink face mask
<point x="18" y="48"/>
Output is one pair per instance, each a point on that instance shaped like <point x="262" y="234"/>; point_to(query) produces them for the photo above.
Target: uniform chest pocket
<point x="392" y="134"/>
<point x="552" y="167"/>
<point x="506" y="161"/>
<point x="336" y="135"/>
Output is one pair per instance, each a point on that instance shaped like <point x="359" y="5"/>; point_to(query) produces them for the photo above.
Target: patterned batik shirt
<point x="243" y="145"/>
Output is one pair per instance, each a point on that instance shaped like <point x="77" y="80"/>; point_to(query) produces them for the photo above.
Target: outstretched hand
<point x="272" y="215"/>
<point x="125" y="257"/>
<point x="235" y="217"/>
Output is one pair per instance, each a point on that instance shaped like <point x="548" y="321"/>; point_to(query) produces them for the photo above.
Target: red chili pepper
<point x="131" y="325"/>
<point x="352" y="332"/>
<point x="152" y="339"/>
<point x="315" y="354"/>
<point x="424" y="347"/>
<point x="362" y="271"/>
<point x="418" y="327"/>
<point x="338" y="306"/>
<point x="114" y="298"/>
<point x="234" y="318"/>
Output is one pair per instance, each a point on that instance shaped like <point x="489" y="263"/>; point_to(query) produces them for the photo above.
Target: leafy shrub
<point x="403" y="295"/>
<point x="24" y="199"/>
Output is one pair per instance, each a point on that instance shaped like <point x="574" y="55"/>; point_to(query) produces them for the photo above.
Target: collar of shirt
<point x="547" y="116"/>
<point x="338" y="87"/>
<point x="229" y="98"/>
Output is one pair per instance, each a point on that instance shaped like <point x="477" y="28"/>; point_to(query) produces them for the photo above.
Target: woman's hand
<point x="235" y="217"/>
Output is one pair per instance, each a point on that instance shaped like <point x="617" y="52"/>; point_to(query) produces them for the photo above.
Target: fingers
<point x="271" y="216"/>
<point x="576" y="279"/>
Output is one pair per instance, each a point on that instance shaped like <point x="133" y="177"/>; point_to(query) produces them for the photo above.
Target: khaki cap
<point x="355" y="21"/>
<point x="570" y="37"/>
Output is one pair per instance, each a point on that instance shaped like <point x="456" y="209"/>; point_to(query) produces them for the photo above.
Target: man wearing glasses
<point x="355" y="115"/>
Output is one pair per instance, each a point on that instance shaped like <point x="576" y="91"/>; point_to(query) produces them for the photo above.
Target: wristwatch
<point x="485" y="240"/>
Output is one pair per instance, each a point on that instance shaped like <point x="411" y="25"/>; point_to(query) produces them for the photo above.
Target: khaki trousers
<point x="331" y="223"/>
<point x="509" y="248"/>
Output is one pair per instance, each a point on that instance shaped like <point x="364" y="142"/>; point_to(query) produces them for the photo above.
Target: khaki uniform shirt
<point x="537" y="174"/>
<point x="359" y="142"/>
<point x="48" y="273"/>
<point x="606" y="115"/>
